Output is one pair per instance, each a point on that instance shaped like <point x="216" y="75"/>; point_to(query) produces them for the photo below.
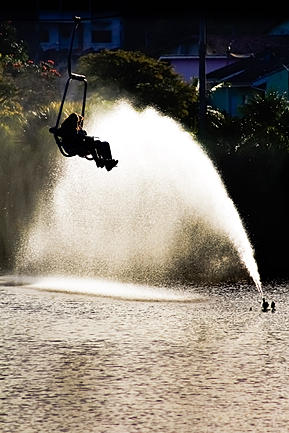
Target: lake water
<point x="84" y="356"/>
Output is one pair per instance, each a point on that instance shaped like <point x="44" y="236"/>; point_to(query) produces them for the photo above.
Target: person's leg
<point x="101" y="153"/>
<point x="91" y="149"/>
<point x="99" y="161"/>
<point x="103" y="149"/>
<point x="110" y="163"/>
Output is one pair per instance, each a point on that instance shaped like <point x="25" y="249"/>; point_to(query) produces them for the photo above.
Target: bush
<point x="11" y="49"/>
<point x="143" y="80"/>
<point x="25" y="171"/>
<point x="265" y="123"/>
<point x="17" y="73"/>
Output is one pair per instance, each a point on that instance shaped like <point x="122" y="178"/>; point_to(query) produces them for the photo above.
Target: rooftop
<point x="252" y="68"/>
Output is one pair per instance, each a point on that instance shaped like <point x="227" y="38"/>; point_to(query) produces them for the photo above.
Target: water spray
<point x="163" y="215"/>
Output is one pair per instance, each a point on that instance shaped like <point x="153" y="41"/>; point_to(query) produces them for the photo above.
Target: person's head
<point x="71" y="122"/>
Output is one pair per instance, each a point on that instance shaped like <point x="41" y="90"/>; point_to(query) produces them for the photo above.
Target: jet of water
<point x="162" y="214"/>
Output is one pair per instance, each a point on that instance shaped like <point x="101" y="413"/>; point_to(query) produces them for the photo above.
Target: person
<point x="75" y="141"/>
<point x="265" y="305"/>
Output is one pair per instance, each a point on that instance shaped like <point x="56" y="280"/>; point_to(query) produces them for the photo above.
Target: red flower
<point x="50" y="61"/>
<point x="55" y="72"/>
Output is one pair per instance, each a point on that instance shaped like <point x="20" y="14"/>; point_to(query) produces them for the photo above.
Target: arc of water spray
<point x="165" y="208"/>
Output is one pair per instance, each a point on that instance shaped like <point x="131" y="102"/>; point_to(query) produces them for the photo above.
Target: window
<point x="101" y="36"/>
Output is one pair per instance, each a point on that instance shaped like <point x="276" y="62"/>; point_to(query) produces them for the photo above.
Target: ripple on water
<point x="72" y="362"/>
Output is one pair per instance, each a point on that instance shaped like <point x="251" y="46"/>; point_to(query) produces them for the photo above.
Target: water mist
<point x="162" y="215"/>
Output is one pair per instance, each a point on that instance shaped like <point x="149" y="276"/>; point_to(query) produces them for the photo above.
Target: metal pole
<point x="72" y="76"/>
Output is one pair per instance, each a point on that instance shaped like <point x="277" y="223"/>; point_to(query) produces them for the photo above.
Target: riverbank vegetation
<point x="251" y="151"/>
<point x="28" y="102"/>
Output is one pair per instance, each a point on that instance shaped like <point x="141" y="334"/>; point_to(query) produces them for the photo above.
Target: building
<point x="188" y="66"/>
<point x="233" y="85"/>
<point x="47" y="33"/>
<point x="95" y="33"/>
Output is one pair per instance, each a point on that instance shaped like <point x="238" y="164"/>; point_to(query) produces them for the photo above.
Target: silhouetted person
<point x="75" y="141"/>
<point x="273" y="307"/>
<point x="265" y="305"/>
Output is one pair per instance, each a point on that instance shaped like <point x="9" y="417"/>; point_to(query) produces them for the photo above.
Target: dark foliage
<point x="252" y="155"/>
<point x="144" y="81"/>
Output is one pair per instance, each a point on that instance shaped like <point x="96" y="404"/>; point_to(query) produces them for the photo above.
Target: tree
<point x="265" y="123"/>
<point x="262" y="130"/>
<point x="144" y="81"/>
<point x="21" y="80"/>
<point x="11" y="49"/>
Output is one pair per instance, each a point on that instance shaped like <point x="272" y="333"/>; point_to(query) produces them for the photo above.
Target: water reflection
<point x="73" y="363"/>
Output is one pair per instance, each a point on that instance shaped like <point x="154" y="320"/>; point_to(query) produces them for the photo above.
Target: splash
<point x="112" y="289"/>
<point x="162" y="215"/>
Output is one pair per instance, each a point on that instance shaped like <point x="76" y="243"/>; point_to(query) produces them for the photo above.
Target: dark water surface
<point x="108" y="361"/>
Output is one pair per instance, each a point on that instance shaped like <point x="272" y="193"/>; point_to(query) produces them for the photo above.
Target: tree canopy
<point x="143" y="80"/>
